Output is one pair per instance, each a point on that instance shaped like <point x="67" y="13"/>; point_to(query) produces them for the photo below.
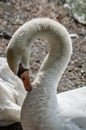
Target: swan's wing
<point x="12" y="94"/>
<point x="6" y="73"/>
<point x="8" y="76"/>
<point x="73" y="106"/>
<point x="9" y="110"/>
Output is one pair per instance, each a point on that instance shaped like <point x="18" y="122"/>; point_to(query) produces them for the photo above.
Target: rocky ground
<point x="16" y="12"/>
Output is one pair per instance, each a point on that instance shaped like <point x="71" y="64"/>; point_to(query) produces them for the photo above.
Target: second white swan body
<point x="43" y="109"/>
<point x="12" y="94"/>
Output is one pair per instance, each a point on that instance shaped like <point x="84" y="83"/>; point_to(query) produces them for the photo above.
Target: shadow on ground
<point x="16" y="126"/>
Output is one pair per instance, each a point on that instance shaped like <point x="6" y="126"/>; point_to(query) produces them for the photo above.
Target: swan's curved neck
<point x="58" y="57"/>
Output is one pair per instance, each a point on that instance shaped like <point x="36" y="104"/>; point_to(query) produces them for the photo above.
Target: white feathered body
<point x="12" y="95"/>
<point x="64" y="111"/>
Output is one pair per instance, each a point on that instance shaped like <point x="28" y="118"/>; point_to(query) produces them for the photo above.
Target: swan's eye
<point x="23" y="78"/>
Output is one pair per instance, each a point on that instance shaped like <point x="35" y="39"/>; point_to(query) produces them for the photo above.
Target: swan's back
<point x="73" y="107"/>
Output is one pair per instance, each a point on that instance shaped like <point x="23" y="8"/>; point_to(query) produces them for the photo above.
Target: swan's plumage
<point x="12" y="94"/>
<point x="43" y="109"/>
<point x="73" y="104"/>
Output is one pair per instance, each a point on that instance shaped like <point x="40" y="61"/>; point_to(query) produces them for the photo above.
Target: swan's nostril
<point x="29" y="89"/>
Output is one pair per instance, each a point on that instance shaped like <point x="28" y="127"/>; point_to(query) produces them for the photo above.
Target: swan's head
<point x="18" y="66"/>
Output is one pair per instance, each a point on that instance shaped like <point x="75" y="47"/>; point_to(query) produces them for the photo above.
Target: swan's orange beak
<point x="24" y="76"/>
<point x="26" y="80"/>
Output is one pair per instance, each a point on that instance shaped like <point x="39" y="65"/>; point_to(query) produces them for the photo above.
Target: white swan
<point x="12" y="94"/>
<point x="43" y="109"/>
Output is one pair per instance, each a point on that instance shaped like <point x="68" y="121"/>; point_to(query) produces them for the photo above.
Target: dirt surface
<point x="16" y="12"/>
